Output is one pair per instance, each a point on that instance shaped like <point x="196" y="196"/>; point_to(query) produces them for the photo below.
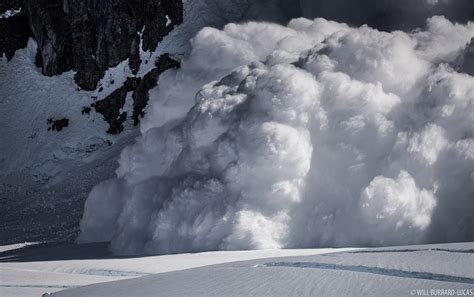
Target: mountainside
<point x="91" y="36"/>
<point x="55" y="143"/>
<point x="394" y="271"/>
<point x="77" y="77"/>
<point x="147" y="144"/>
<point x="89" y="270"/>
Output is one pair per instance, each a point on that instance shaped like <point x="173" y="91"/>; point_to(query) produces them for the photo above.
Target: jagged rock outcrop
<point x="149" y="81"/>
<point x="50" y="27"/>
<point x="91" y="36"/>
<point x="111" y="109"/>
<point x="466" y="61"/>
<point x="14" y="30"/>
<point x="111" y="106"/>
<point x="58" y="125"/>
<point x="110" y="31"/>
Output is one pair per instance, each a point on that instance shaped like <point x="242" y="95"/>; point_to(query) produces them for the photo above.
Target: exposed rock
<point x="466" y="61"/>
<point x="149" y="81"/>
<point x="91" y="36"/>
<point x="134" y="57"/>
<point x="50" y="27"/>
<point x="14" y="30"/>
<point x="102" y="36"/>
<point x="132" y="83"/>
<point x="174" y="10"/>
<point x="111" y="107"/>
<point x="58" y="125"/>
<point x="86" y="110"/>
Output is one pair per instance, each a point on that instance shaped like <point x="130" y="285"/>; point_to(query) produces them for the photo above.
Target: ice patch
<point x="375" y="270"/>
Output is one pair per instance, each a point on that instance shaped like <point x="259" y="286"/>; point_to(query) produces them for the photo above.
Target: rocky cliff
<point x="14" y="29"/>
<point x="90" y="36"/>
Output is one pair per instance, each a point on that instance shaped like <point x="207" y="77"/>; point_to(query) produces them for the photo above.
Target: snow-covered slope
<point x="45" y="175"/>
<point x="402" y="271"/>
<point x="331" y="135"/>
<point x="394" y="271"/>
<point x="35" y="270"/>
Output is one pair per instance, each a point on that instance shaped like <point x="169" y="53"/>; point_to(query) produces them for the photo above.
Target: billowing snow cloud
<point x="313" y="134"/>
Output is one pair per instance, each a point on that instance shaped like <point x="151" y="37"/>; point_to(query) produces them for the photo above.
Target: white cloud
<point x="395" y="208"/>
<point x="307" y="135"/>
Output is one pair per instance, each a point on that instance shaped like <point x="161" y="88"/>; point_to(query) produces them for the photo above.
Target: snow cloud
<point x="310" y="134"/>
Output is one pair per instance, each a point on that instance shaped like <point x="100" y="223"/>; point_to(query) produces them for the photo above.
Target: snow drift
<point x="311" y="134"/>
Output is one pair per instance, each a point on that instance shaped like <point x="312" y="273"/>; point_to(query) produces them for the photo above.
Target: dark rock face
<point x="58" y="125"/>
<point x="110" y="108"/>
<point x="149" y="81"/>
<point x="50" y="28"/>
<point x="86" y="110"/>
<point x="132" y="83"/>
<point x="466" y="62"/>
<point x="14" y="30"/>
<point x="90" y="36"/>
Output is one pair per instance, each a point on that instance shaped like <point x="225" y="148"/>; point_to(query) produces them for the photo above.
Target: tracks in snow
<point x="374" y="270"/>
<point x="471" y="251"/>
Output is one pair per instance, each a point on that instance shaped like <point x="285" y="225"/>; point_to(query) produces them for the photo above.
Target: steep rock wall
<point x="91" y="36"/>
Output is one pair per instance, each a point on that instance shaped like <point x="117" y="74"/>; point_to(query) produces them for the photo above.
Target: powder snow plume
<point x="306" y="135"/>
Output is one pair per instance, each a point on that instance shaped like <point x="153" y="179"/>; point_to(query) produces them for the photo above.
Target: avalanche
<point x="310" y="134"/>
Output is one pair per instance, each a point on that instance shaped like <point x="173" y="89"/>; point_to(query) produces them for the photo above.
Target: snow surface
<point x="310" y="134"/>
<point x="383" y="98"/>
<point x="36" y="270"/>
<point x="394" y="271"/>
<point x="45" y="175"/>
